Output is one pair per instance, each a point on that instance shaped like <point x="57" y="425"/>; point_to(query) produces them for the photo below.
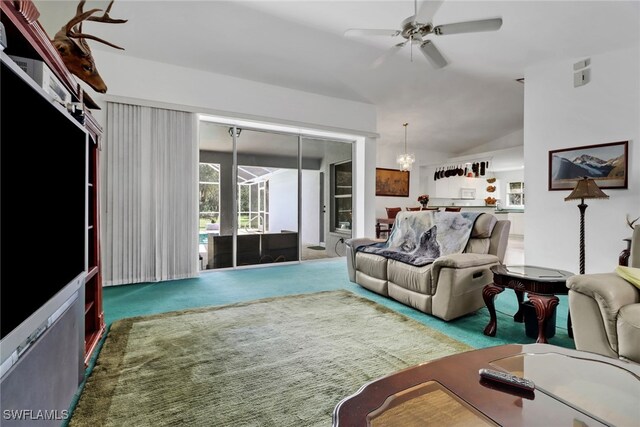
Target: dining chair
<point x="391" y="214"/>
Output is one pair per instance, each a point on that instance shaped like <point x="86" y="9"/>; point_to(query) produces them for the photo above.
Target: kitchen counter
<point x="464" y="207"/>
<point x="516" y="216"/>
<point x="483" y="207"/>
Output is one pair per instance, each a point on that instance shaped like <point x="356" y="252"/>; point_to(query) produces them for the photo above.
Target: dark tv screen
<point x="42" y="198"/>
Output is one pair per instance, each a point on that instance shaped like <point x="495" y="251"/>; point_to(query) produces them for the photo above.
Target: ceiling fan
<point x="418" y="26"/>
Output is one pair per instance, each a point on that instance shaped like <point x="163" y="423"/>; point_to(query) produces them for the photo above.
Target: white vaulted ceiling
<point x="300" y="45"/>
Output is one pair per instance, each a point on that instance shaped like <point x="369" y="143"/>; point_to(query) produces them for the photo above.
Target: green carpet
<point x="283" y="361"/>
<point x="227" y="287"/>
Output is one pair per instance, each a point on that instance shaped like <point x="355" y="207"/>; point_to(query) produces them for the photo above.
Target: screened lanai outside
<point x="209" y="186"/>
<point x="253" y="206"/>
<point x="253" y="198"/>
<point x="267" y="197"/>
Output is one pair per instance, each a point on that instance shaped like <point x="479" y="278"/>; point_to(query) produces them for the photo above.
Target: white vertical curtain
<point x="149" y="195"/>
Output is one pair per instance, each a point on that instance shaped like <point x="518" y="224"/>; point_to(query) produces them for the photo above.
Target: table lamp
<point x="586" y="188"/>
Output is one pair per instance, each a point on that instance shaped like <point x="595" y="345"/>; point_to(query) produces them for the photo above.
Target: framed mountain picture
<point x="607" y="164"/>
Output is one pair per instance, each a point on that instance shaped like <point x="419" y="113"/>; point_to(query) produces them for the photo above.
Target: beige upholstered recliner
<point x="605" y="311"/>
<point x="448" y="288"/>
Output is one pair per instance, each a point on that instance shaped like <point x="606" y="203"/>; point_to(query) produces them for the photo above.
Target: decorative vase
<point x="424" y="205"/>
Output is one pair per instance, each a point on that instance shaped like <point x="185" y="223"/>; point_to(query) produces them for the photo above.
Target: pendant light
<point x="405" y="160"/>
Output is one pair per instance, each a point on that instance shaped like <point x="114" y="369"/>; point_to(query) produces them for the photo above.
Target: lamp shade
<point x="586" y="188"/>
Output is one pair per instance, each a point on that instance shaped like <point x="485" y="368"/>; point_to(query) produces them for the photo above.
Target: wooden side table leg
<point x="569" y="324"/>
<point x="519" y="316"/>
<point x="488" y="294"/>
<point x="544" y="305"/>
<point x="377" y="230"/>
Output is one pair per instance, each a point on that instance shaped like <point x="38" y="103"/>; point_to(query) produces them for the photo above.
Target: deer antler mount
<point x="72" y="45"/>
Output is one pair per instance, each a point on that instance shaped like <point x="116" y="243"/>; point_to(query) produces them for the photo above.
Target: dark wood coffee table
<point x="572" y="388"/>
<point x="541" y="284"/>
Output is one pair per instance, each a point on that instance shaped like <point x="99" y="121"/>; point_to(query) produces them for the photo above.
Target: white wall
<point x="513" y="139"/>
<point x="310" y="207"/>
<point x="283" y="201"/>
<point x="150" y="80"/>
<point x="365" y="207"/>
<point x="557" y="115"/>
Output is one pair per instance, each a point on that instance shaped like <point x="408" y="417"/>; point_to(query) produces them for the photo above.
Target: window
<point x="341" y="198"/>
<point x="209" y="184"/>
<point x="515" y="194"/>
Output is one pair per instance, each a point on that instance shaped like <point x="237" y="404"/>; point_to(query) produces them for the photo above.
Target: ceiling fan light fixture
<point x="405" y="160"/>
<point x="418" y="26"/>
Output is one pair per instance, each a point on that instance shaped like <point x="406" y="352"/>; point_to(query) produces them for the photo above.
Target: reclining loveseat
<point x="448" y="287"/>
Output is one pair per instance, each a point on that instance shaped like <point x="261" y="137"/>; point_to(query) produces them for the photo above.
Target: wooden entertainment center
<point x="26" y="38"/>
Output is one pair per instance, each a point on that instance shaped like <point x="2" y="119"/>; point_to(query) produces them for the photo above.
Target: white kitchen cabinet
<point x="447" y="188"/>
<point x="517" y="223"/>
<point x="450" y="188"/>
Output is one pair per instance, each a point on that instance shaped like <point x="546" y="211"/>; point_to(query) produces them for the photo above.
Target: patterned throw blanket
<point x="418" y="238"/>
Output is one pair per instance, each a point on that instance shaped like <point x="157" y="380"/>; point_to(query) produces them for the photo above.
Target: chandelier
<point x="405" y="160"/>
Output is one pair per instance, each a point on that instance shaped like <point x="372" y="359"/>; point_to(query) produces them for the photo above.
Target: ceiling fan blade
<point x="433" y="55"/>
<point x="427" y="10"/>
<point x="389" y="53"/>
<point x="359" y="32"/>
<point x="469" y="27"/>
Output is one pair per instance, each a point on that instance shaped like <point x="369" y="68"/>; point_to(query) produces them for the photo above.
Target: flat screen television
<point x="43" y="215"/>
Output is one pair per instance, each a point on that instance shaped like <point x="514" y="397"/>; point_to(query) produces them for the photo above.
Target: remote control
<point x="507" y="379"/>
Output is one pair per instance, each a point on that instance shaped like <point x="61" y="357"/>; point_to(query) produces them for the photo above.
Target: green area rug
<point x="284" y="361"/>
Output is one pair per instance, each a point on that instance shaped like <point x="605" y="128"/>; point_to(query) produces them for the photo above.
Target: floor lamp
<point x="586" y="188"/>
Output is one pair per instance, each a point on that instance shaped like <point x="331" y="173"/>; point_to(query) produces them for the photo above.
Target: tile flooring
<point x="515" y="251"/>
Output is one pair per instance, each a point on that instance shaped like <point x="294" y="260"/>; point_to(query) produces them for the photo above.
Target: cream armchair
<point x="605" y="310"/>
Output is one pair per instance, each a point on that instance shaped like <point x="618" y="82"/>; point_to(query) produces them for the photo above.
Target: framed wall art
<point x="392" y="182"/>
<point x="607" y="164"/>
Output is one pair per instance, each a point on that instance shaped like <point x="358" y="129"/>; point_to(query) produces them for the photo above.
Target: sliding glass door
<point x="268" y="197"/>
<point x="216" y="196"/>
